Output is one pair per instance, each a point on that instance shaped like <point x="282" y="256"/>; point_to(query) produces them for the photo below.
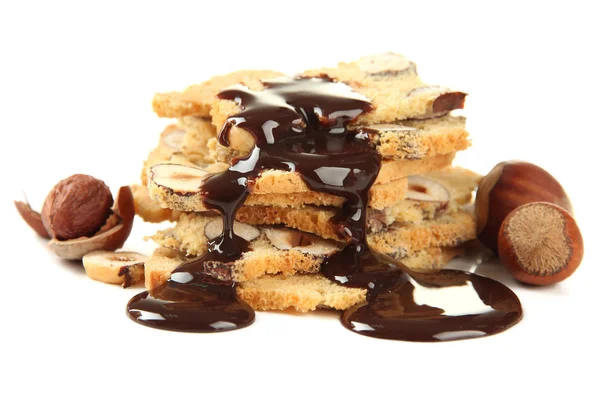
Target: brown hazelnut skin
<point x="572" y="239"/>
<point x="509" y="185"/>
<point x="76" y="207"/>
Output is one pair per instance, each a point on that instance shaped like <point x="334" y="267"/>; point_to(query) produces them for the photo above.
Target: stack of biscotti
<point x="418" y="208"/>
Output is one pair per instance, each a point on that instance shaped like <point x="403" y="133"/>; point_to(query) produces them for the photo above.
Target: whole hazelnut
<point x="76" y="207"/>
<point x="540" y="244"/>
<point x="509" y="185"/>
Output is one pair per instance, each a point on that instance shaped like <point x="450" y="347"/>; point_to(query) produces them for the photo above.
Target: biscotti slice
<point x="304" y="292"/>
<point x="191" y="236"/>
<point x="454" y="191"/>
<point x="196" y="100"/>
<point x="409" y="139"/>
<point x="179" y="187"/>
<point x="390" y="81"/>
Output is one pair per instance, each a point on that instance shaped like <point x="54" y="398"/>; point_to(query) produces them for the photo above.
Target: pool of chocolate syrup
<point x="301" y="125"/>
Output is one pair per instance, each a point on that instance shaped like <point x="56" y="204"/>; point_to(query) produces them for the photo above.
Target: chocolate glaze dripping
<point x="301" y="125"/>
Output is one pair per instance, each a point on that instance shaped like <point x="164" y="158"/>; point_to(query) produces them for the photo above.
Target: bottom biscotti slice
<point x="303" y="293"/>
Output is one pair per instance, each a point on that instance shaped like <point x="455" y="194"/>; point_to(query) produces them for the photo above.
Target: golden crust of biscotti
<point x="284" y="182"/>
<point x="196" y="100"/>
<point x="303" y="292"/>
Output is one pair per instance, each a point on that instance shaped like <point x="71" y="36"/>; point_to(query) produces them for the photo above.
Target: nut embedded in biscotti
<point x="387" y="64"/>
<point x="173" y="138"/>
<point x="76" y="207"/>
<point x="540" y="243"/>
<point x="421" y="188"/>
<point x="509" y="185"/>
<point x="245" y="231"/>
<point x="121" y="268"/>
<point x="443" y="100"/>
<point x="290" y="239"/>
<point x="111" y="236"/>
<point x="180" y="179"/>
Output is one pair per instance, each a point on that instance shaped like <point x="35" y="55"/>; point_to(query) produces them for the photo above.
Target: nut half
<point x="121" y="268"/>
<point x="291" y="239"/>
<point x="179" y="179"/>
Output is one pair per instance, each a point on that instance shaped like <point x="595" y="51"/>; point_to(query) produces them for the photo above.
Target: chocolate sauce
<point x="191" y="301"/>
<point x="301" y="125"/>
<point x="441" y="306"/>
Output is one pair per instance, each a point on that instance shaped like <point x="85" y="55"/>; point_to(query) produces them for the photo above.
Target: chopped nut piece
<point x="123" y="268"/>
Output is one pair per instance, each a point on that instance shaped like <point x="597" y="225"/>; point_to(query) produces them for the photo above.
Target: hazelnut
<point x="76" y="207"/>
<point x="540" y="243"/>
<point x="509" y="185"/>
<point x="67" y="211"/>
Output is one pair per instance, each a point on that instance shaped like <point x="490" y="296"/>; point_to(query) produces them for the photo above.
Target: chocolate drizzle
<point x="301" y="125"/>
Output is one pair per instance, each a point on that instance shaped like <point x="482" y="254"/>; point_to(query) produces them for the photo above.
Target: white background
<point x="76" y="82"/>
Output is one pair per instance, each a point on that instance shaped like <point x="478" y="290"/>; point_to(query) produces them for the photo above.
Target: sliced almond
<point x="109" y="239"/>
<point x="425" y="189"/>
<point x="33" y="218"/>
<point x="122" y="268"/>
<point x="181" y="179"/>
<point x="215" y="227"/>
<point x="288" y="239"/>
<point x="173" y="138"/>
<point x="387" y="64"/>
